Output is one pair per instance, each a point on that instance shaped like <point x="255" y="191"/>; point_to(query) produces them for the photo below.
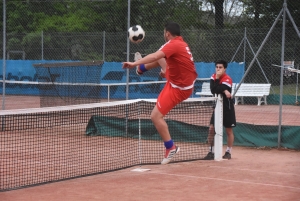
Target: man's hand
<point x="227" y="93"/>
<point x="128" y="65"/>
<point x="162" y="73"/>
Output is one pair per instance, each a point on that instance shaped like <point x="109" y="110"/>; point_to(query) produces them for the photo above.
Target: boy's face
<point x="220" y="70"/>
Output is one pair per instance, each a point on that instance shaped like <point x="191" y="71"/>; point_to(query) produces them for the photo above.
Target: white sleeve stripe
<point x="226" y="83"/>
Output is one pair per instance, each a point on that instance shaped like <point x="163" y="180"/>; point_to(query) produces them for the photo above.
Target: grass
<point x="288" y="89"/>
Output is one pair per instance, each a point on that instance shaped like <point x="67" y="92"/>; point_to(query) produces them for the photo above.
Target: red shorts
<point x="169" y="97"/>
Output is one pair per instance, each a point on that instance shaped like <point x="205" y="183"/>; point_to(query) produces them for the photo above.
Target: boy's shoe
<point x="138" y="56"/>
<point x="209" y="156"/>
<point x="170" y="153"/>
<point x="227" y="155"/>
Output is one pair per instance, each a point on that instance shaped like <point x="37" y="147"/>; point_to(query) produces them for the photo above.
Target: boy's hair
<point x="173" y="28"/>
<point x="221" y="62"/>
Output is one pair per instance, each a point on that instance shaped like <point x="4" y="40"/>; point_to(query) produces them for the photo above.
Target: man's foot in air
<point x="138" y="56"/>
<point x="170" y="153"/>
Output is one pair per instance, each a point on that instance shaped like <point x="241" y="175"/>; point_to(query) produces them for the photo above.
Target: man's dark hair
<point x="173" y="28"/>
<point x="221" y="62"/>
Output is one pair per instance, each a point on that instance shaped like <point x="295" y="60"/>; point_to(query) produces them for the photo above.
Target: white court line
<point x="228" y="180"/>
<point x="255" y="170"/>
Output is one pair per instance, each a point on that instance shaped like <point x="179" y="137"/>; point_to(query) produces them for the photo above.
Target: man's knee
<point x="229" y="131"/>
<point x="155" y="115"/>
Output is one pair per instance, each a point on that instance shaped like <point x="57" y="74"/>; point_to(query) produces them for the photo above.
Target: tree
<point x="263" y="13"/>
<point x="219" y="15"/>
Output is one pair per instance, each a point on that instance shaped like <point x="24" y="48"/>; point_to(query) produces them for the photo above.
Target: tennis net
<point x="50" y="144"/>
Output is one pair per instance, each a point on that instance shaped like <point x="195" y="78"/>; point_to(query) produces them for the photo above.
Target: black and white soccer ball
<point x="136" y="34"/>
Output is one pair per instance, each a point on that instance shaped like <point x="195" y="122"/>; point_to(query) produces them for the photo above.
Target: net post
<point x="218" y="139"/>
<point x="140" y="135"/>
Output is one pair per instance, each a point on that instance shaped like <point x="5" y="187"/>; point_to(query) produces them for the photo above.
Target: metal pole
<point x="296" y="29"/>
<point x="245" y="43"/>
<point x="258" y="51"/>
<point x="297" y="87"/>
<point x="281" y="73"/>
<point x="4" y="52"/>
<point x="127" y="71"/>
<point x="128" y="50"/>
<point x="262" y="70"/>
<point x="103" y="50"/>
<point x="42" y="45"/>
<point x="293" y="22"/>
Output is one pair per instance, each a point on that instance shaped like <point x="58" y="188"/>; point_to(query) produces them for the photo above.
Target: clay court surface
<point x="251" y="174"/>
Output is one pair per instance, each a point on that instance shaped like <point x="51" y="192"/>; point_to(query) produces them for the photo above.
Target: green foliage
<point x="74" y="29"/>
<point x="288" y="89"/>
<point x="111" y="16"/>
<point x="263" y="13"/>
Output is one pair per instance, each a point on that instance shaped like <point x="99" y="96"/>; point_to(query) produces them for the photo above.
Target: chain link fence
<point x="55" y="31"/>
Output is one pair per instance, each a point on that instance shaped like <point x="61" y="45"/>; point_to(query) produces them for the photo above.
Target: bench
<point x="206" y="89"/>
<point x="261" y="91"/>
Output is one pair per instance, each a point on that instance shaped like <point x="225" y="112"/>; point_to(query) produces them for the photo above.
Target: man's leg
<point x="230" y="140"/>
<point x="162" y="127"/>
<point x="230" y="137"/>
<point x="210" y="140"/>
<point x="140" y="70"/>
<point x="168" y="98"/>
<point x="211" y="135"/>
<point x="160" y="124"/>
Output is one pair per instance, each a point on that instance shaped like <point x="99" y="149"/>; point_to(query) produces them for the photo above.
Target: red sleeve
<point x="168" y="48"/>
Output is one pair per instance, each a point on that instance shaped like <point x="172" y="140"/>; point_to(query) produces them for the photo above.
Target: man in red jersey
<point x="176" y="61"/>
<point x="221" y="83"/>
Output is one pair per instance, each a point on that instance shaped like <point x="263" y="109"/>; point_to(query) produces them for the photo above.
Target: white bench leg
<point x="259" y="101"/>
<point x="236" y="100"/>
<point x="265" y="98"/>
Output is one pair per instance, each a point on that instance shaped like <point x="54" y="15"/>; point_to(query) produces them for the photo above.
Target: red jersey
<point x="181" y="70"/>
<point x="224" y="79"/>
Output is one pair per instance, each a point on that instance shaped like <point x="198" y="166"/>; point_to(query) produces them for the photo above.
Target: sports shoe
<point x="209" y="156"/>
<point x="227" y="155"/>
<point x="138" y="56"/>
<point x="170" y="153"/>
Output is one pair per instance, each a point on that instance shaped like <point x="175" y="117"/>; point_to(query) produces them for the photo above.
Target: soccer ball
<point x="136" y="34"/>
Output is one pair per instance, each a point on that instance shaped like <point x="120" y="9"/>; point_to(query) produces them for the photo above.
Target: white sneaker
<point x="170" y="153"/>
<point x="137" y="56"/>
